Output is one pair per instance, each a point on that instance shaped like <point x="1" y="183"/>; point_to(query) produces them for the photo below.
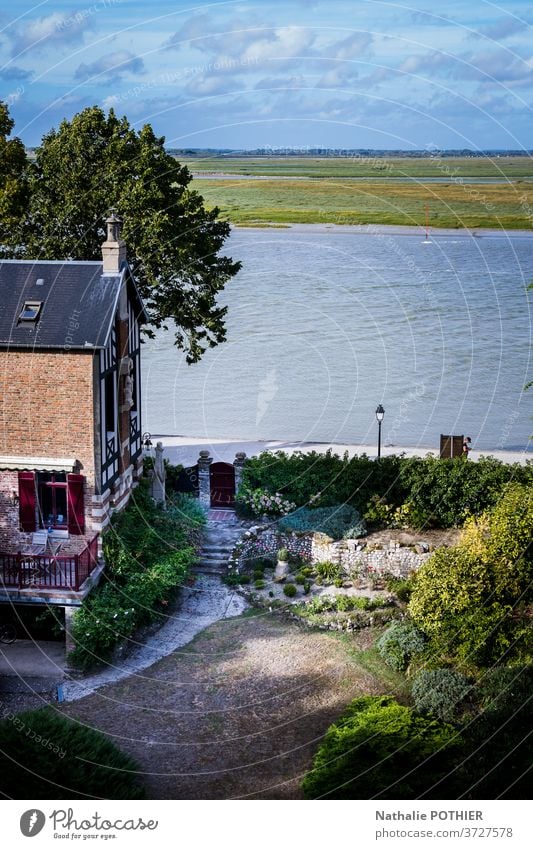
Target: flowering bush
<point x="263" y="503"/>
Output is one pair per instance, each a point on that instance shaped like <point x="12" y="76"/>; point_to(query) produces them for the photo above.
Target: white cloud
<point x="111" y="67"/>
<point x="49" y="32"/>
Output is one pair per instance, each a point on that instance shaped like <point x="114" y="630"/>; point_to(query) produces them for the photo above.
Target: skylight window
<point x="30" y="311"/>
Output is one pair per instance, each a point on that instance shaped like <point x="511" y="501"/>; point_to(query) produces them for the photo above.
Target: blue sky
<point x="277" y="73"/>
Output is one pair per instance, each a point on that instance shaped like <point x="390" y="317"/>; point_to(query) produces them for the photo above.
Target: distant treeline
<point x="345" y="152"/>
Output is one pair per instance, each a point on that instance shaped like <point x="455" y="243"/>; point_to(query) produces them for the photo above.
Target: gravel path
<point x="238" y="713"/>
<point x="207" y="601"/>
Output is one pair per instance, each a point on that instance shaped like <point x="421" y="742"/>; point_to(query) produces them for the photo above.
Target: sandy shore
<point x="185" y="449"/>
<point x="435" y="234"/>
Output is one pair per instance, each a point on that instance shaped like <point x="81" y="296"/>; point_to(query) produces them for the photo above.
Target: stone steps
<point x="218" y="543"/>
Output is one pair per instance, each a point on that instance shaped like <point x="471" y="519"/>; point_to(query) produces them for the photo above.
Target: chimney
<point x="113" y="249"/>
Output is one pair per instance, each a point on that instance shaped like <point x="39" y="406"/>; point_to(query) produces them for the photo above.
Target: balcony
<point x="47" y="572"/>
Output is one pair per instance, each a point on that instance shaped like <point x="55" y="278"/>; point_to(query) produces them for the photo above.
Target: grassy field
<point x="503" y="167"/>
<point x="338" y="201"/>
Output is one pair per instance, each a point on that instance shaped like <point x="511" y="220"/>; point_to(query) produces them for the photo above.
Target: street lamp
<point x="380" y="415"/>
<point x="147" y="443"/>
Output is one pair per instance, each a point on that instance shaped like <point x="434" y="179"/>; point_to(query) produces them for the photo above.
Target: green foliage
<point x="173" y="242"/>
<point x="472" y="600"/>
<point x="379" y="748"/>
<point x="259" y="584"/>
<point x="400" y="643"/>
<point x="328" y="571"/>
<point x="440" y="692"/>
<point x="290" y="590"/>
<point x="343" y="603"/>
<point x="283" y="555"/>
<point x="300" y="579"/>
<point x="260" y="502"/>
<point x="502" y="689"/>
<point x="337" y="522"/>
<point x="148" y="556"/>
<point x="44" y="755"/>
<point x="416" y="491"/>
<point x="13" y="178"/>
<point x="401" y="587"/>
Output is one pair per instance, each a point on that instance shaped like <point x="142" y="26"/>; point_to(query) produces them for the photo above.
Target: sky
<point x="295" y="74"/>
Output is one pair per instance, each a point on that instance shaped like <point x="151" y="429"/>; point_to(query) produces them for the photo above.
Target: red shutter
<point x="27" y="500"/>
<point x="75" y="511"/>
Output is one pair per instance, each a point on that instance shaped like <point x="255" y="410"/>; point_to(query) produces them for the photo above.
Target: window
<point x="51" y="500"/>
<point x="30" y="311"/>
<point x="110" y="422"/>
<point x="52" y="497"/>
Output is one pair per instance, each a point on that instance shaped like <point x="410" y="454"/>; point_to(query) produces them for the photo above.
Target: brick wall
<point x="46" y="410"/>
<point x="46" y="405"/>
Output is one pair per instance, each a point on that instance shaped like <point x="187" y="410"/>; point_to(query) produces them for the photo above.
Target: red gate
<point x="222" y="480"/>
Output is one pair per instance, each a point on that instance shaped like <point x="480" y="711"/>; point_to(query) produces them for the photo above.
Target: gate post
<point x="204" y="483"/>
<point x="238" y="465"/>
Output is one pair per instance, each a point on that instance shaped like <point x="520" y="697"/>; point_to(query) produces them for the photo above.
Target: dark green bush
<point x="430" y="490"/>
<point x="243" y="579"/>
<point x="290" y="590"/>
<point x="259" y="584"/>
<point x="44" y="755"/>
<point x="400" y="643"/>
<point x="440" y="692"/>
<point x="299" y="578"/>
<point x="381" y="749"/>
<point x="258" y="573"/>
<point x="148" y="556"/>
<point x="336" y="521"/>
<point x="401" y="587"/>
<point x="504" y="688"/>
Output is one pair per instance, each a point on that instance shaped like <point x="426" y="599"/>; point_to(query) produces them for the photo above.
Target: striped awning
<point x="37" y="464"/>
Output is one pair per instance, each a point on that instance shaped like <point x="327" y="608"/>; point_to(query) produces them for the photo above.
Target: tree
<point x="13" y="183"/>
<point x="95" y="162"/>
<point x="473" y="600"/>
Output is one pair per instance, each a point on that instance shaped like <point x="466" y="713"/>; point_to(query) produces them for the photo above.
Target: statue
<point x="128" y="387"/>
<point x="158" y="476"/>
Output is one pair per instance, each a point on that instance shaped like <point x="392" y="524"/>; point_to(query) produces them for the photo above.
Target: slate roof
<point x="79" y="304"/>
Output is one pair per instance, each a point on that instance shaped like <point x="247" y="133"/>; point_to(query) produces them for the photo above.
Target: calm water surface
<point x="324" y="326"/>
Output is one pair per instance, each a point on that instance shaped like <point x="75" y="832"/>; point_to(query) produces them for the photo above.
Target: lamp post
<point x="380" y="415"/>
<point x="147" y="443"/>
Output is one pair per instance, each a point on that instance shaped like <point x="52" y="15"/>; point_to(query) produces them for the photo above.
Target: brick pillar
<point x="238" y="465"/>
<point x="204" y="482"/>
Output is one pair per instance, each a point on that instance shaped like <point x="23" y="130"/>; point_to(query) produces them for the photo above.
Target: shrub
<point x="44" y="755"/>
<point x="399" y="643"/>
<point x="327" y="571"/>
<point x="290" y="590"/>
<point x="401" y="587"/>
<point x="283" y="555"/>
<point x="431" y="490"/>
<point x="336" y="521"/>
<point x="261" y="502"/>
<point x="379" y="748"/>
<point x="258" y="573"/>
<point x="439" y="692"/>
<point x="243" y="579"/>
<point x="337" y="583"/>
<point x="259" y="584"/>
<point x="299" y="579"/>
<point x="307" y="587"/>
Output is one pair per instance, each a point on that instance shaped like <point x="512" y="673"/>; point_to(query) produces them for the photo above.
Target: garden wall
<point x="352" y="555"/>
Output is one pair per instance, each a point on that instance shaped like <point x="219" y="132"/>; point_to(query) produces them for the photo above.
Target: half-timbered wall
<point x="109" y="412"/>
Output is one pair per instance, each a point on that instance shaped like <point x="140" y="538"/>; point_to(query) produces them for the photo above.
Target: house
<point x="70" y="417"/>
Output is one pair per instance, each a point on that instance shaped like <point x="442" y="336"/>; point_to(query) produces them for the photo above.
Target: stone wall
<point x="354" y="556"/>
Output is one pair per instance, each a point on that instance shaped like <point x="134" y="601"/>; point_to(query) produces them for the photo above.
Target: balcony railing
<point x="46" y="571"/>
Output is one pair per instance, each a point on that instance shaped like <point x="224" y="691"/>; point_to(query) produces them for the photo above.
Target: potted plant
<point x="282" y="568"/>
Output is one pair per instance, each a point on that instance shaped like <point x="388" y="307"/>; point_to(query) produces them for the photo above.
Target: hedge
<point x="44" y="755"/>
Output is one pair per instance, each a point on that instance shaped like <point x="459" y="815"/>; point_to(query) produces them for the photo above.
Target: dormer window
<point x="30" y="311"/>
